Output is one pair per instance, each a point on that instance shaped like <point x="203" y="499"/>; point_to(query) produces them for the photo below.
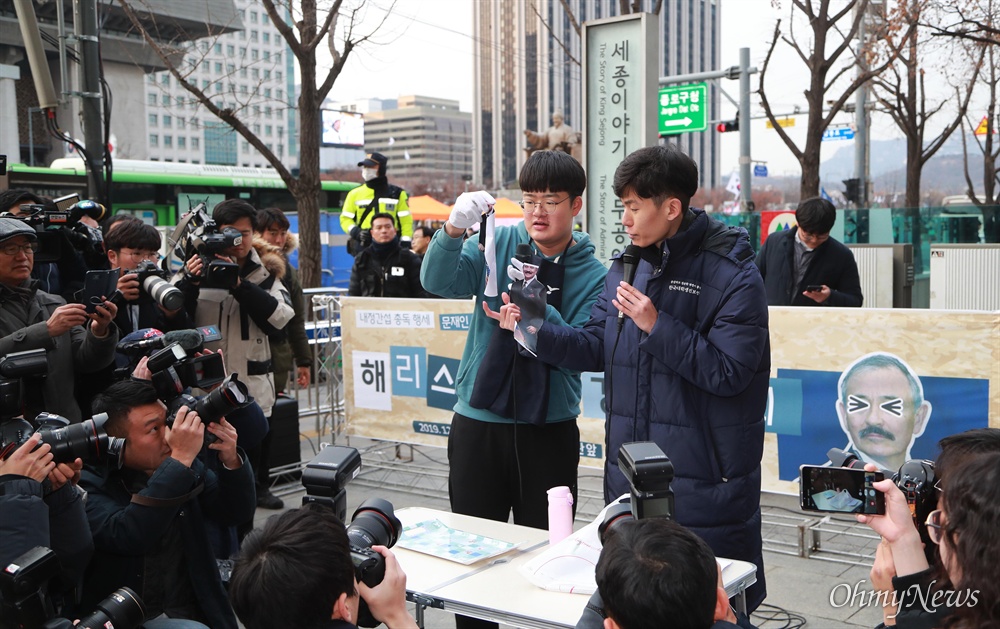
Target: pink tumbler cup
<point x="560" y="514"/>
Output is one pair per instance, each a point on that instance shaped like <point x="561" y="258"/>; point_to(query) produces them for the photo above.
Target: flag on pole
<point x="734" y="184"/>
<point x="392" y="140"/>
<point x="406" y="154"/>
<point x="824" y="195"/>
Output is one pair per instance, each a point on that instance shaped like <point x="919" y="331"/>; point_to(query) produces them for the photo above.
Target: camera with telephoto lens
<point x="48" y="219"/>
<point x="19" y="371"/>
<point x="649" y="473"/>
<point x="373" y="523"/>
<point x="173" y="372"/>
<point x="197" y="232"/>
<point x="86" y="440"/>
<point x="25" y="600"/>
<point x="153" y="281"/>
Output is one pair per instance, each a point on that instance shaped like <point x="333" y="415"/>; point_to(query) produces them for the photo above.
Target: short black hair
<point x="425" y="231"/>
<point x="119" y="399"/>
<point x="816" y="216"/>
<point x="10" y="198"/>
<point x="656" y="573"/>
<point x="231" y="210"/>
<point x="291" y="572"/>
<point x="271" y="216"/>
<point x="118" y="218"/>
<point x="378" y="215"/>
<point x="133" y="234"/>
<point x="658" y="173"/>
<point x="553" y="171"/>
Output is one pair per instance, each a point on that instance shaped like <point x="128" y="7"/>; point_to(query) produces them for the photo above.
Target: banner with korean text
<point x="401" y="359"/>
<point x="885" y="384"/>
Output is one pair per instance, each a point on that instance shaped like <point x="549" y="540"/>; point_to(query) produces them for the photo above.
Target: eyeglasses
<point x="934" y="526"/>
<point x="12" y="249"/>
<point x="141" y="256"/>
<point x="548" y="207"/>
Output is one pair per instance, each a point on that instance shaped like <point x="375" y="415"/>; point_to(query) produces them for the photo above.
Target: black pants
<point x="498" y="468"/>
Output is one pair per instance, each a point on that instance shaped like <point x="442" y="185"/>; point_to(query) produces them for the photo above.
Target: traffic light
<point x="728" y="125"/>
<point x="852" y="191"/>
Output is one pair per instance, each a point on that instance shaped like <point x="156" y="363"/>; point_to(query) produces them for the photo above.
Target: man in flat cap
<point x="33" y="319"/>
<point x="375" y="196"/>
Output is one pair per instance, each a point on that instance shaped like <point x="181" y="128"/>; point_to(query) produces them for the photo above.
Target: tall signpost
<point x="619" y="112"/>
<point x="690" y="82"/>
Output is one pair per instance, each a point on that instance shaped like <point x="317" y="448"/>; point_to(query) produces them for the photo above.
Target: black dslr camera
<point x="198" y="233"/>
<point x="25" y="599"/>
<point x="173" y="372"/>
<point x="86" y="440"/>
<point x="374" y="522"/>
<point x="153" y="281"/>
<point x="649" y="473"/>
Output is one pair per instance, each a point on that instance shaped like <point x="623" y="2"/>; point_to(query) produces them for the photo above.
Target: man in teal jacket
<point x="514" y="432"/>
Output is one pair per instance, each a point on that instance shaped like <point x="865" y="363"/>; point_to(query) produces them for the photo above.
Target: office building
<point x="527" y="68"/>
<point x="249" y="70"/>
<point x="127" y="62"/>
<point x="423" y="137"/>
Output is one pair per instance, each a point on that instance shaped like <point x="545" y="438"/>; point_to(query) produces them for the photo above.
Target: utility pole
<point x="861" y="117"/>
<point x="746" y="199"/>
<point x="90" y="93"/>
<point x="741" y="72"/>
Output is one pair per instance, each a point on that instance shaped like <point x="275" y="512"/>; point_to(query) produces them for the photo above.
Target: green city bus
<point x="159" y="192"/>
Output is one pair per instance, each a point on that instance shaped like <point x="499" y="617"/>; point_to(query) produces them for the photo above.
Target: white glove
<point x="515" y="270"/>
<point x="469" y="209"/>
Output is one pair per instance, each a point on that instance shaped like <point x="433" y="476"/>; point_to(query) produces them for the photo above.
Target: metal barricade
<point x="325" y="400"/>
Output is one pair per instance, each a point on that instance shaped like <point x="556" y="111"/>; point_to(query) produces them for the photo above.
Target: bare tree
<point x="306" y="27"/>
<point x="821" y="53"/>
<point x="978" y="22"/>
<point x="901" y="93"/>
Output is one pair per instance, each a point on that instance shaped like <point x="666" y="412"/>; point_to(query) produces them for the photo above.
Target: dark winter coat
<point x="126" y="531"/>
<point x="696" y="386"/>
<point x="832" y="264"/>
<point x="23" y="318"/>
<point x="30" y="518"/>
<point x="395" y="275"/>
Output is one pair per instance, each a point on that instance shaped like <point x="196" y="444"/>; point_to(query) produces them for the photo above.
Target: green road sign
<point x="683" y="108"/>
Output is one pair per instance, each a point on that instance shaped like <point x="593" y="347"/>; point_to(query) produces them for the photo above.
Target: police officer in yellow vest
<point x="375" y="196"/>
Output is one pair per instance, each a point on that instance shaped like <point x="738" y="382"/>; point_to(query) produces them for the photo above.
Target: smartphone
<point x="97" y="286"/>
<point x="815" y="288"/>
<point x="840" y="490"/>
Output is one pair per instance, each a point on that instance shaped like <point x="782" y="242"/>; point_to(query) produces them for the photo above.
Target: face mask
<point x="369" y="173"/>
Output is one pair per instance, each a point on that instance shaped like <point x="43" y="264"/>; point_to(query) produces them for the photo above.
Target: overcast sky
<point x="426" y="48"/>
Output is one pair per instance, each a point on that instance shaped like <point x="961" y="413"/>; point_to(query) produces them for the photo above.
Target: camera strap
<point x="149" y="501"/>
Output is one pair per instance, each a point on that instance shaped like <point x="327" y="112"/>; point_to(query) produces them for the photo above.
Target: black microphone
<point x="190" y="340"/>
<point x="630" y="258"/>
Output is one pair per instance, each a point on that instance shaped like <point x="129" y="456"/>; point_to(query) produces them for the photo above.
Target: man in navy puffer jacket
<point x="690" y="368"/>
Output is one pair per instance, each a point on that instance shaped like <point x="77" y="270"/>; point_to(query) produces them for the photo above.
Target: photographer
<point x="655" y="573"/>
<point x="133" y="245"/>
<point x="62" y="275"/>
<point x="297" y="571"/>
<point x="31" y="319"/>
<point x="149" y="518"/>
<point x="964" y="530"/>
<point x="34" y="512"/>
<point x="258" y="305"/>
